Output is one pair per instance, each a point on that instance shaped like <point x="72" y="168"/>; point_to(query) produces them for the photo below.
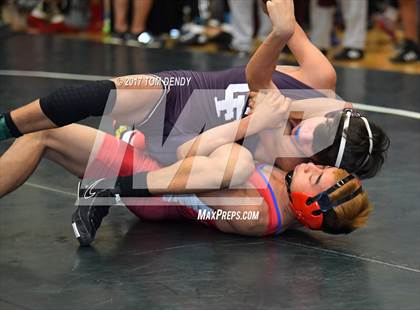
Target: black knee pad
<point x="71" y="104"/>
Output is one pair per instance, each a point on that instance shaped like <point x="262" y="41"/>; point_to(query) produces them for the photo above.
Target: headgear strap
<point x="343" y="141"/>
<point x="370" y="139"/>
<point x="331" y="189"/>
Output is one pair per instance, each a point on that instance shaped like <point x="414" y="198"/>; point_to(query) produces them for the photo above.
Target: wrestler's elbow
<point x="249" y="76"/>
<point x="326" y="78"/>
<point x="187" y="149"/>
<point x="181" y="152"/>
<point x="243" y="168"/>
<point x="331" y="78"/>
<point x="256" y="80"/>
<point x="231" y="163"/>
<point x="253" y="78"/>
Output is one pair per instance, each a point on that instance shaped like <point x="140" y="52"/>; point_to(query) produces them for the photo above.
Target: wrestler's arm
<point x="228" y="165"/>
<point x="269" y="110"/>
<point x="263" y="63"/>
<point x="320" y="106"/>
<point x="252" y="205"/>
<point x="250" y="201"/>
<point x="315" y="69"/>
<point x="211" y="139"/>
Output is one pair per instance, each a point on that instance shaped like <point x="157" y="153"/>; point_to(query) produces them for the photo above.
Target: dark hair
<point x="357" y="147"/>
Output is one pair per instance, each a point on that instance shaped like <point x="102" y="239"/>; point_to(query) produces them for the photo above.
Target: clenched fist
<point x="282" y="16"/>
<point x="270" y="108"/>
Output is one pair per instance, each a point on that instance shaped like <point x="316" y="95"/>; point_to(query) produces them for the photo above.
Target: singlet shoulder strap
<point x="260" y="181"/>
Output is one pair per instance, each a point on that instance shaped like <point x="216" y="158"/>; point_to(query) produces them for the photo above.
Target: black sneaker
<point x="407" y="53"/>
<point x="132" y="39"/>
<point x="116" y="37"/>
<point x="88" y="216"/>
<point x="349" y="54"/>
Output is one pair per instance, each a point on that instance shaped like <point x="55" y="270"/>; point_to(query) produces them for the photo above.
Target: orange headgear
<point x="310" y="210"/>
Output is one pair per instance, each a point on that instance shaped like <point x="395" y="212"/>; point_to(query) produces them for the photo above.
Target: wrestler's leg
<point x="72" y="146"/>
<point x="222" y="167"/>
<point x="136" y="96"/>
<point x="229" y="165"/>
<point x="20" y="161"/>
<point x="69" y="146"/>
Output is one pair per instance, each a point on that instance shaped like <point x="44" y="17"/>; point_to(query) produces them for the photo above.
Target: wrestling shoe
<point x="408" y="52"/>
<point x="116" y="38"/>
<point x="38" y="18"/>
<point x="349" y="54"/>
<point x="88" y="216"/>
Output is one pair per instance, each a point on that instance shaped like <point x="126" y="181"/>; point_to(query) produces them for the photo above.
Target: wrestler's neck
<point x="277" y="181"/>
<point x="274" y="172"/>
<point x="289" y="218"/>
<point x="266" y="147"/>
<point x="266" y="152"/>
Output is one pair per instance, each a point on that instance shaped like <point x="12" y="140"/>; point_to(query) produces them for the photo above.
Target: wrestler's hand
<point x="282" y="16"/>
<point x="270" y="109"/>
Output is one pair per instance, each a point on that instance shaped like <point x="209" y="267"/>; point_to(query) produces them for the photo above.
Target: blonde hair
<point x="350" y="215"/>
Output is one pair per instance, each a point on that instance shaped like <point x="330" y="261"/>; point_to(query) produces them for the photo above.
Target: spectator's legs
<point x="120" y="16"/>
<point x="217" y="10"/>
<point x="355" y="18"/>
<point x="321" y="19"/>
<point x="242" y="24"/>
<point x="409" y="51"/>
<point x="141" y="10"/>
<point x="409" y="18"/>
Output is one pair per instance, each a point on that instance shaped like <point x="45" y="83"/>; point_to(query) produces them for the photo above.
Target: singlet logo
<point x="235" y="99"/>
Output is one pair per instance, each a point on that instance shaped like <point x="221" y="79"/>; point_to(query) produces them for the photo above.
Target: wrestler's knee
<point x="39" y="137"/>
<point x="52" y="137"/>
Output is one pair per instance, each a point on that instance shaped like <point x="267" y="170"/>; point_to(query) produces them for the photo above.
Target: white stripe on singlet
<point x="164" y="93"/>
<point x="190" y="201"/>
